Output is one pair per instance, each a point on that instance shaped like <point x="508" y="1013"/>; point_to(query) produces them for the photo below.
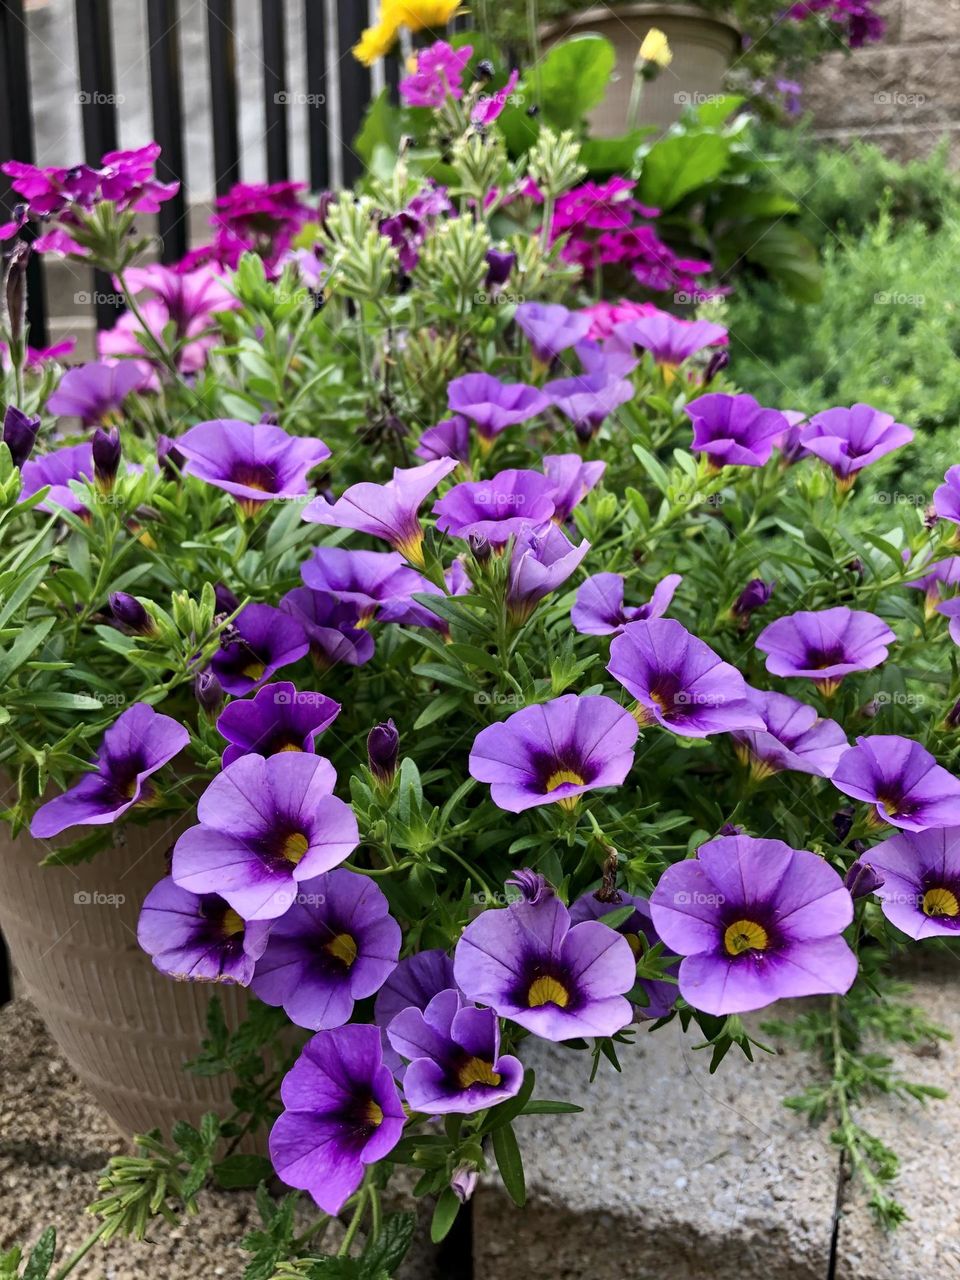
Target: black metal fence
<point x="97" y="102"/>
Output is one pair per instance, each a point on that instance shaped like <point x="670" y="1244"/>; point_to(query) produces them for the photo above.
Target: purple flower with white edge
<point x="850" y="439"/>
<point x="588" y="399"/>
<point x="259" y="641"/>
<point x="496" y="509"/>
<point x="494" y="405"/>
<point x="252" y="461"/>
<point x="551" y="328"/>
<point x="279" y="718"/>
<point x="453" y="1051"/>
<point x="439" y="73"/>
<point x="920" y="887"/>
<point x="639" y="932"/>
<point x="794" y="738"/>
<point x="825" y="645"/>
<point x="490" y="105"/>
<point x="138" y="743"/>
<point x="902" y="780"/>
<point x="553" y="752"/>
<point x="337" y="944"/>
<point x="755" y="921"/>
<point x="448" y="439"/>
<point x="946" y="497"/>
<point x="387" y="511"/>
<point x="93" y="392"/>
<point x="264" y="826"/>
<point x="599" y="609"/>
<point x="334" y="631"/>
<point x="198" y="937"/>
<point x="530" y="963"/>
<point x="540" y="562"/>
<point x="58" y="469"/>
<point x="669" y="339"/>
<point x="945" y="573"/>
<point x="679" y="682"/>
<point x="572" y="481"/>
<point x="342" y="1113"/>
<point x="734" y="431"/>
<point x="412" y="984"/>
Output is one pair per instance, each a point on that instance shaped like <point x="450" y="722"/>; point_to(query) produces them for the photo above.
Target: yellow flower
<point x="656" y="48"/>
<point x="418" y="15"/>
<point x="375" y="43"/>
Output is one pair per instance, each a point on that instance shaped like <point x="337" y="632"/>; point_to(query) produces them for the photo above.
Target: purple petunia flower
<point x="734" y="430"/>
<point x="58" y="469"/>
<point x="794" y="738"/>
<point x="412" y="984"/>
<point x="264" y="826"/>
<point x="679" y="682"/>
<point x="279" y="718"/>
<point x="387" y="511"/>
<point x="551" y="328"/>
<point x="946" y="497"/>
<point x="490" y="105"/>
<point x="138" y="743"/>
<point x="588" y="399"/>
<point x="496" y="509"/>
<point x="333" y="630"/>
<point x="605" y="359"/>
<point x="439" y="72"/>
<point x="448" y="439"/>
<point x="661" y="996"/>
<point x="755" y="921"/>
<point x="531" y="964"/>
<point x="342" y="1113"/>
<point x="825" y="645"/>
<point x="572" y="481"/>
<point x="599" y="609"/>
<point x="337" y="944"/>
<point x="789" y="443"/>
<point x="252" y="461"/>
<point x="93" y="391"/>
<point x="553" y="752"/>
<point x="850" y="439"/>
<point x="198" y="937"/>
<point x="259" y="641"/>
<point x="454" y="1056"/>
<point x="945" y="573"/>
<point x="669" y="339"/>
<point x="920" y="889"/>
<point x="903" y="781"/>
<point x="494" y="405"/>
<point x="540" y="561"/>
<point x="376" y="583"/>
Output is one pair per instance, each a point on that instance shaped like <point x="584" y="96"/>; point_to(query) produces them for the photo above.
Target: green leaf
<point x="572" y="78"/>
<point x="509" y="1162"/>
<point x="604" y="156"/>
<point x="390" y="1247"/>
<point x="677" y="165"/>
<point x="444" y="1215"/>
<point x="27" y="642"/>
<point x="547" y="1107"/>
<point x="783" y="252"/>
<point x="713" y="113"/>
<point x="41" y="1259"/>
<point x="238" y="1171"/>
<point x="436" y="708"/>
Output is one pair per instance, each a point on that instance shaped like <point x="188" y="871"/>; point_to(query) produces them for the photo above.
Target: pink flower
<point x="439" y="72"/>
<point x="489" y="106"/>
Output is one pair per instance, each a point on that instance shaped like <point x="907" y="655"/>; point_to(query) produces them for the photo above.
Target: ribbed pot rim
<point x="607" y="13"/>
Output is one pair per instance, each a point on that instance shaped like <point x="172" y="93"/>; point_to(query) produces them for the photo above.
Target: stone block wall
<point x="902" y="94"/>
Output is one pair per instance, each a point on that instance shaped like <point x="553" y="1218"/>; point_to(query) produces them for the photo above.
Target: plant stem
<point x="355" y="1221"/>
<point x="82" y="1252"/>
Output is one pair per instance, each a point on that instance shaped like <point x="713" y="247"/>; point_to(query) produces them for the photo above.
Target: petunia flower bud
<point x="463" y="1182"/>
<point x="718" y="362"/>
<point x="130" y="613"/>
<point x="226" y="601"/>
<point x="19" y="434"/>
<point x="753" y="596"/>
<point x="862" y="879"/>
<point x="383" y="747"/>
<point x="209" y="692"/>
<point x="479" y="547"/>
<point x="500" y="263"/>
<point x="106" y="457"/>
<point x="16" y="291"/>
<point x="532" y="885"/>
<point x="169" y="457"/>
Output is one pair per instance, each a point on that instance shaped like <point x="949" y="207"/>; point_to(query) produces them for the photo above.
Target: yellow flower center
<point x="476" y="1071"/>
<point x="411" y="548"/>
<point x="372" y="1114"/>
<point x="745" y="935"/>
<point x="231" y="924"/>
<point x="295" y="846"/>
<point x="547" y="991"/>
<point x="633" y="940"/>
<point x="343" y="948"/>
<point x="253" y="670"/>
<point x="940" y="902"/>
<point x="561" y="777"/>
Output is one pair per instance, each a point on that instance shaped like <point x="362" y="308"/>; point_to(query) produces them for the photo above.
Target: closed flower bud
<point x="169" y="457"/>
<point x="131" y="614"/>
<point x="952" y="718"/>
<point x="463" y="1182"/>
<point x="842" y="824"/>
<point x="106" y="457"/>
<point x="718" y="362"/>
<point x="16" y="291"/>
<point x="383" y="747"/>
<point x="862" y="879"/>
<point x="532" y="885"/>
<point x="227" y="602"/>
<point x="479" y="547"/>
<point x="209" y="692"/>
<point x="485" y="69"/>
<point x="754" y="595"/>
<point x="500" y="263"/>
<point x="19" y="434"/>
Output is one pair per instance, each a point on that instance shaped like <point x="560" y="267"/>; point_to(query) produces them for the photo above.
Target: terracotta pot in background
<point x="125" y="1028"/>
<point x="704" y="44"/>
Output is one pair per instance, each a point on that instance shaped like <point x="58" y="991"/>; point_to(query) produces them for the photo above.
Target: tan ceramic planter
<point x="125" y="1028"/>
<point x="704" y="45"/>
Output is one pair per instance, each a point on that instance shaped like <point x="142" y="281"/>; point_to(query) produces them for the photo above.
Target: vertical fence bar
<point x="98" y="113"/>
<point x="354" y="85"/>
<point x="16" y="143"/>
<point x="318" y="135"/>
<point x="222" y="48"/>
<point x="275" y="89"/>
<point x="167" y="101"/>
